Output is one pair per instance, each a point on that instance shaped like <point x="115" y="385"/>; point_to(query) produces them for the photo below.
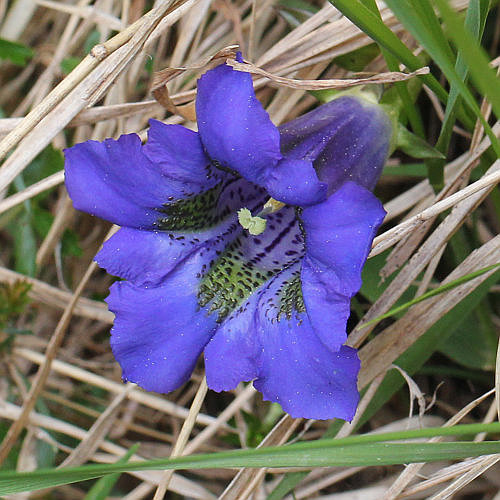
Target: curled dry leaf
<point x="338" y="83"/>
<point x="161" y="78"/>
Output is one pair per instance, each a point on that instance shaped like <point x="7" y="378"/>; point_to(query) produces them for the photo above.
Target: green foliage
<point x="415" y="146"/>
<point x="13" y="300"/>
<point x="406" y="170"/>
<point x="68" y="64"/>
<point x="471" y="344"/>
<point x="14" y="52"/>
<point x="102" y="488"/>
<point x="92" y="39"/>
<point x="358" y="59"/>
<point x="353" y="451"/>
<point x="431" y="293"/>
<point x="33" y="220"/>
<point x="295" y="12"/>
<point x="415" y="357"/>
<point x="25" y="245"/>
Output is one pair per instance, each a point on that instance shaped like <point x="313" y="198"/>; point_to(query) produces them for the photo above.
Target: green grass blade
<point x="409" y="108"/>
<point x="364" y="450"/>
<point x="428" y="21"/>
<point x="373" y="26"/>
<point x="475" y="21"/>
<point x="431" y="293"/>
<point x="102" y="488"/>
<point x="470" y="50"/>
<point x="482" y="74"/>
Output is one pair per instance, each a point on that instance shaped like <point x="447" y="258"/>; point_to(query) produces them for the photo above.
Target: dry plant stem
<point x="17" y="18"/>
<point x="247" y="479"/>
<point x="44" y="370"/>
<point x="181" y="7"/>
<point x="97" y="432"/>
<point x="83" y="86"/>
<point x="466" y="478"/>
<point x="62" y="219"/>
<point x="183" y="437"/>
<point x="98" y="113"/>
<point x="390" y="237"/>
<point x="412" y="470"/>
<point x="398" y="337"/>
<point x="31" y="191"/>
<point x="44" y="82"/>
<point x="429" y="272"/>
<point x="91" y="61"/>
<point x="136" y="394"/>
<point x="251" y="35"/>
<point x="421" y="258"/>
<point x="139" y="492"/>
<point x="442" y="476"/>
<point x="407" y="246"/>
<point x="220" y="422"/>
<point x="55" y="297"/>
<point x="179" y="484"/>
<point x="84" y="12"/>
<point x="327" y="84"/>
<point x="423" y="189"/>
<point x="124" y="423"/>
<point x="311" y="490"/>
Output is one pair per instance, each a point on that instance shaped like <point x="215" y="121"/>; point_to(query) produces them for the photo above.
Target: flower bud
<point x="347" y="139"/>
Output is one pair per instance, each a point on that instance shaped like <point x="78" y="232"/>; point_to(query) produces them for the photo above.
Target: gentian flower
<point x="271" y="306"/>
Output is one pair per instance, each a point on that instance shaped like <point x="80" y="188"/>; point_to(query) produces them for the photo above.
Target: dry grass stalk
<point x="390" y="237"/>
<point x="179" y="484"/>
<point x="483" y="465"/>
<point x="31" y="191"/>
<point x="343" y="83"/>
<point x="394" y="340"/>
<point x="417" y="263"/>
<point x="412" y="470"/>
<point x="150" y="400"/>
<point x="245" y="482"/>
<point x="83" y="87"/>
<point x="44" y="370"/>
<point x="183" y="437"/>
<point x="54" y="297"/>
<point x="88" y="446"/>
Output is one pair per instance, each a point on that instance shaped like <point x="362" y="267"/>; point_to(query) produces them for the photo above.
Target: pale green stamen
<point x="253" y="224"/>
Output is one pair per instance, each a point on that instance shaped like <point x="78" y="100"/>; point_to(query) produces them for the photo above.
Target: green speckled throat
<point x="247" y="261"/>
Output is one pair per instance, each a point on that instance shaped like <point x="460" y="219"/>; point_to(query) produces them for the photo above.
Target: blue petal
<point x="232" y="354"/>
<point x="115" y="181"/>
<point x="346" y="139"/>
<point x="291" y="364"/>
<point x="327" y="310"/>
<point x="178" y="153"/>
<point x="295" y="182"/>
<point x="147" y="257"/>
<point x="159" y="332"/>
<point x="304" y="376"/>
<point x="234" y="127"/>
<point x="339" y="234"/>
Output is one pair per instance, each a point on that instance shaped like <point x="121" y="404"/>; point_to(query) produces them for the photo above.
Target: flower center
<point x="246" y="259"/>
<point x="253" y="262"/>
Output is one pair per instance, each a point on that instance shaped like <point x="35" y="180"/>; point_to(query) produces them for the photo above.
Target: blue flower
<point x="270" y="307"/>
